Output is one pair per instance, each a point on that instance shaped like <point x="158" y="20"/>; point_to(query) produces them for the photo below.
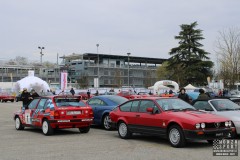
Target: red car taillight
<point x="91" y="113"/>
<point x="56" y="115"/>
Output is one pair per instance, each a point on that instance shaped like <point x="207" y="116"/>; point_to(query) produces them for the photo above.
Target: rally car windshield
<point x="67" y="102"/>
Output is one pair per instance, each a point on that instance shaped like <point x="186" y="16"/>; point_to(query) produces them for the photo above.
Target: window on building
<point x="105" y="81"/>
<point x="105" y="72"/>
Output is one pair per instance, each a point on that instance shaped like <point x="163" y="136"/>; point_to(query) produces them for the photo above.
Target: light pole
<point x="41" y="54"/>
<point x="98" y="63"/>
<point x="128" y="69"/>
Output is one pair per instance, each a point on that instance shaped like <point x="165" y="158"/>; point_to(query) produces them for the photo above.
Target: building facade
<point x="13" y="73"/>
<point x="111" y="70"/>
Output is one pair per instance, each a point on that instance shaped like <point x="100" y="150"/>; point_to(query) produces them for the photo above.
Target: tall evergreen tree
<point x="190" y="56"/>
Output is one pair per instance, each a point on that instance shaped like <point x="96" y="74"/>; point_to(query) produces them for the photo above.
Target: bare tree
<point x="228" y="53"/>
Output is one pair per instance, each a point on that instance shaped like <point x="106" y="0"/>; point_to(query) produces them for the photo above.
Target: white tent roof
<point x="189" y="86"/>
<point x="32" y="82"/>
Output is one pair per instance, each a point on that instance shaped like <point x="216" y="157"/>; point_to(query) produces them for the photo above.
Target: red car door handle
<point x="137" y="115"/>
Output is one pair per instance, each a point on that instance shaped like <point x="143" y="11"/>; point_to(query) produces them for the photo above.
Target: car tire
<point x="18" y="124"/>
<point x="84" y="129"/>
<point x="176" y="136"/>
<point x="12" y="101"/>
<point x="123" y="130"/>
<point x="106" y="122"/>
<point x="46" y="128"/>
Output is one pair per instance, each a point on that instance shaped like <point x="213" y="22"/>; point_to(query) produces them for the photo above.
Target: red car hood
<point x="197" y="116"/>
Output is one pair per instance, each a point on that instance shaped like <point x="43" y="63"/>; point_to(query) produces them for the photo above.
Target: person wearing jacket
<point x="183" y="95"/>
<point x="26" y="98"/>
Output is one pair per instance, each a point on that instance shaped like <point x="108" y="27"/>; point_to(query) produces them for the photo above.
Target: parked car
<point x="129" y="95"/>
<point x="171" y="118"/>
<point x="221" y="107"/>
<point x="101" y="106"/>
<point x="55" y="112"/>
<point x="4" y="97"/>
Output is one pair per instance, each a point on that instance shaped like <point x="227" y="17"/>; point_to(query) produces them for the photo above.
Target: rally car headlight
<point x="203" y="125"/>
<point x="197" y="125"/>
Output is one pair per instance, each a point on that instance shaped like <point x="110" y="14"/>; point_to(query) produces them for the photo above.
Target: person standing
<point x="183" y="95"/>
<point x="202" y="94"/>
<point x="96" y="94"/>
<point x="34" y="94"/>
<point x="220" y="93"/>
<point x="88" y="94"/>
<point x="72" y="91"/>
<point x="26" y="98"/>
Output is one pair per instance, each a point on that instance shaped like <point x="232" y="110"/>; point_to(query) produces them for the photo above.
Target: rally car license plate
<point x="73" y="112"/>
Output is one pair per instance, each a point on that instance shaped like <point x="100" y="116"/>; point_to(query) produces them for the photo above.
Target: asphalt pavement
<point x="98" y="144"/>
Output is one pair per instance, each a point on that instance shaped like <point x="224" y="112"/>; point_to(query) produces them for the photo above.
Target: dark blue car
<point x="101" y="106"/>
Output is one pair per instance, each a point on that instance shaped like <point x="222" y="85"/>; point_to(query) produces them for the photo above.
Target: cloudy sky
<point x="143" y="27"/>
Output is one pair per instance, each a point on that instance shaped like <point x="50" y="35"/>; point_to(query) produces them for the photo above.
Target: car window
<point x="203" y="105"/>
<point x="173" y="103"/>
<point x="134" y="106"/>
<point x="41" y="103"/>
<point x="224" y="105"/>
<point x="33" y="104"/>
<point x="48" y="104"/>
<point x="144" y="104"/>
<point x="97" y="102"/>
<point x="126" y="107"/>
<point x="69" y="102"/>
<point x="117" y="99"/>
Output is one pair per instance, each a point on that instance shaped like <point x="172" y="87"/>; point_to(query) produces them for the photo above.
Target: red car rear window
<point x="69" y="102"/>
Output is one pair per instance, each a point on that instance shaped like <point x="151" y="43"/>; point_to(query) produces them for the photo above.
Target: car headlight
<point x="203" y="125"/>
<point x="228" y="124"/>
<point x="197" y="125"/>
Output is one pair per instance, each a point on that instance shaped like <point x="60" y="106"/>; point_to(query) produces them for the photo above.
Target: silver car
<point x="222" y="107"/>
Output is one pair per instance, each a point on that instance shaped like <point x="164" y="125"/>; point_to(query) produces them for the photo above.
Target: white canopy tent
<point x="31" y="82"/>
<point x="189" y="87"/>
<point x="162" y="86"/>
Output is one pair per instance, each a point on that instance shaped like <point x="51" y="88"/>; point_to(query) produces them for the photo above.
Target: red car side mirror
<point x="149" y="109"/>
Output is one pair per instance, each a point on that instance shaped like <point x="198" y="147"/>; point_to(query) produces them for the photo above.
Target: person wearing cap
<point x="26" y="98"/>
<point x="183" y="95"/>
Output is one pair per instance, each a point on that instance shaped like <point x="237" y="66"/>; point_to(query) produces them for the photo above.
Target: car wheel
<point x="18" y="124"/>
<point x="12" y="101"/>
<point x="176" y="136"/>
<point x="46" y="128"/>
<point x="123" y="131"/>
<point x="84" y="129"/>
<point x="106" y="123"/>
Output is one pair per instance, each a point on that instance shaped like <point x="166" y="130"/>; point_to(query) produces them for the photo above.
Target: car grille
<point x="215" y="125"/>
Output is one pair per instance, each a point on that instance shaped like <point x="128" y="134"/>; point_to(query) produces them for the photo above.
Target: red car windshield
<point x="69" y="102"/>
<point x="174" y="104"/>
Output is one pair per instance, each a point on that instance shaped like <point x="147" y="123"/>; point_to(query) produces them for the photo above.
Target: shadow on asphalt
<point x="162" y="141"/>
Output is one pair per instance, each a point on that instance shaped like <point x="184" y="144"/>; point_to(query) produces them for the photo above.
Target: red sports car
<point x="4" y="97"/>
<point x="171" y="118"/>
<point x="53" y="112"/>
<point x="129" y="95"/>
